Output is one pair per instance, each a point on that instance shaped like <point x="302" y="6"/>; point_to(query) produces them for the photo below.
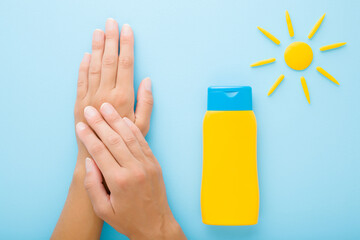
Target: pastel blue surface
<point x="308" y="155"/>
<point x="229" y="98"/>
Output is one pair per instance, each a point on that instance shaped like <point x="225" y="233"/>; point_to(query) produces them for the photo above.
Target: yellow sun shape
<point x="298" y="55"/>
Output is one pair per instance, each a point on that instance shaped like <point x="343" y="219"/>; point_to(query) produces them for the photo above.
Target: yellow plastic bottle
<point x="229" y="190"/>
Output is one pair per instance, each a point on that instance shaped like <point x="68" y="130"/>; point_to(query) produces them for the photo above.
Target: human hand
<point x="137" y="205"/>
<point x="105" y="76"/>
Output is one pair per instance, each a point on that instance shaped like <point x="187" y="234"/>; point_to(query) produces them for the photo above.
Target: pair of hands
<point x="136" y="204"/>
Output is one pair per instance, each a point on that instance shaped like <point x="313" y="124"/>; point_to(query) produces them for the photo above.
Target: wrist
<point x="79" y="171"/>
<point x="172" y="230"/>
<point x="169" y="229"/>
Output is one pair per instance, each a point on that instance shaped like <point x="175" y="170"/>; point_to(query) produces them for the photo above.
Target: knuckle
<point x="158" y="168"/>
<point x="125" y="62"/>
<point x="95" y="70"/>
<point x="88" y="184"/>
<point x="99" y="99"/>
<point x="81" y="83"/>
<point x="100" y="210"/>
<point x="130" y="139"/>
<point x="113" y="118"/>
<point x="114" y="140"/>
<point x="109" y="61"/>
<point x="126" y="39"/>
<point x="95" y="122"/>
<point x="153" y="170"/>
<point x="139" y="175"/>
<point x="120" y="181"/>
<point x="97" y="45"/>
<point x="112" y="35"/>
<point x="147" y="151"/>
<point x="149" y="100"/>
<point x="122" y="98"/>
<point x="145" y="145"/>
<point x="96" y="148"/>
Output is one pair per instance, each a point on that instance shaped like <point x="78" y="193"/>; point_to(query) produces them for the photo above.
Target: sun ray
<point x="269" y="35"/>
<point x="316" y="27"/>
<point x="289" y="24"/>
<point x="263" y="62"/>
<point x="276" y="84"/>
<point x="332" y="46"/>
<point x="298" y="55"/>
<point x="327" y="75"/>
<point x="306" y="90"/>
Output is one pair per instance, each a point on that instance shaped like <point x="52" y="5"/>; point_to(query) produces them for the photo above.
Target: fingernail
<point x="87" y="164"/>
<point x="110" y="24"/>
<point x="106" y="109"/>
<point x="126" y="30"/>
<point x="98" y="35"/>
<point x="89" y="112"/>
<point x="147" y="84"/>
<point x="80" y="126"/>
<point x="128" y="121"/>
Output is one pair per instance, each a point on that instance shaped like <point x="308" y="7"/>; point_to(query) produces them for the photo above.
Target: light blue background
<point x="308" y="155"/>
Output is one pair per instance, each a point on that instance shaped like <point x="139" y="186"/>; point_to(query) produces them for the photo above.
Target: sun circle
<point x="298" y="55"/>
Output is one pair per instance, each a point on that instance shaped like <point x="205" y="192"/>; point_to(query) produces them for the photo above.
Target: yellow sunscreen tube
<point x="229" y="190"/>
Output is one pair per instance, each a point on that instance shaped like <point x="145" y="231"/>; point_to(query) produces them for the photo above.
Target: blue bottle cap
<point x="229" y="99"/>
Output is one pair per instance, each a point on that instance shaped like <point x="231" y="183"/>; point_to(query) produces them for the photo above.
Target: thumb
<point x="144" y="106"/>
<point x="93" y="184"/>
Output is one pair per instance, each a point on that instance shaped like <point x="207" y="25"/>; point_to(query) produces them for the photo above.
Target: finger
<point x="117" y="123"/>
<point x="144" y="106"/>
<point x="110" y="58"/>
<point x="97" y="150"/>
<point x="96" y="58"/>
<point x="99" y="198"/>
<point x="109" y="137"/>
<point x="125" y="74"/>
<point x="82" y="83"/>
<point x="143" y="143"/>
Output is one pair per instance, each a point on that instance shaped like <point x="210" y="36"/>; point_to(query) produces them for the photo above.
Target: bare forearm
<point x="78" y="220"/>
